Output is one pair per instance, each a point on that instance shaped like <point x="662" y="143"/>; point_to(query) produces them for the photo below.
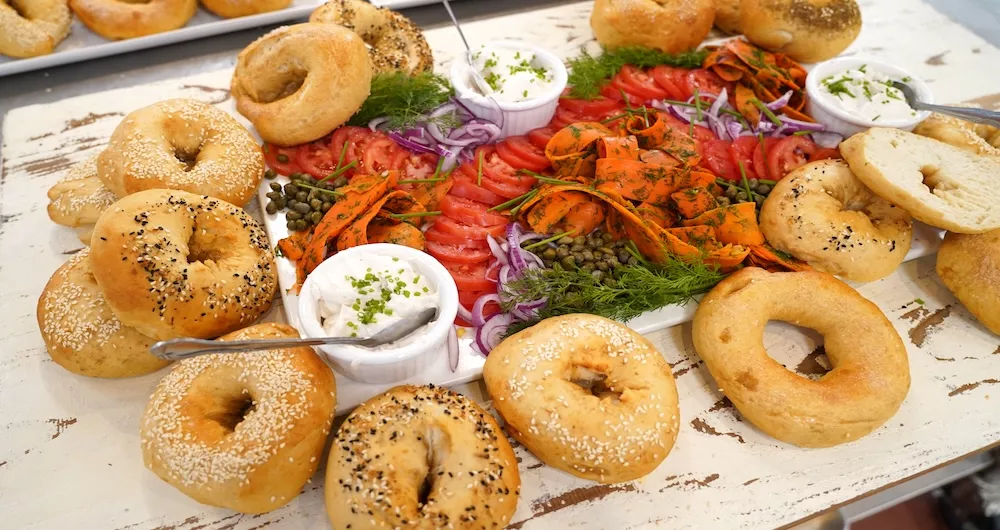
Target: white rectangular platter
<point x="83" y="44"/>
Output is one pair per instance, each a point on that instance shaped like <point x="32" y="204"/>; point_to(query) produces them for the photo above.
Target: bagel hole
<point x="436" y="446"/>
<point x="284" y="86"/>
<point x="234" y="412"/>
<point x="187" y="159"/>
<point x="16" y="6"/>
<point x="202" y="247"/>
<point x="932" y="179"/>
<point x="798" y="349"/>
<point x="594" y="382"/>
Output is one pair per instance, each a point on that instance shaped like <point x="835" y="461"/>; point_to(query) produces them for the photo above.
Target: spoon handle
<point x="177" y="349"/>
<point x="983" y="116"/>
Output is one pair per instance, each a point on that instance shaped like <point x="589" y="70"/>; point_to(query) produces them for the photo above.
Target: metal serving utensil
<point x="983" y="116"/>
<point x="481" y="83"/>
<point x="177" y="349"/>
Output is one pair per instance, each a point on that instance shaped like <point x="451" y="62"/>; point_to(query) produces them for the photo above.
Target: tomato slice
<point x="316" y="158"/>
<point x="704" y="134"/>
<point x="458" y="253"/>
<point x="380" y="153"/>
<point x="354" y="137"/>
<point x="665" y="77"/>
<point x="540" y="137"/>
<point x="496" y="168"/>
<point x="760" y="161"/>
<point x="594" y="107"/>
<point x="437" y="235"/>
<point x="640" y="84"/>
<point x="563" y="117"/>
<point x="283" y="160"/>
<point x="705" y="82"/>
<point x="521" y="154"/>
<point x="824" y="153"/>
<point x="616" y="91"/>
<point x="720" y="160"/>
<point x="463" y="186"/>
<point x="467" y="231"/>
<point x="470" y="279"/>
<point x="790" y="153"/>
<point x="469" y="212"/>
<point x="742" y="152"/>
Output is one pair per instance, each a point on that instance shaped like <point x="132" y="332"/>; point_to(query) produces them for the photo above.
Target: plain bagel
<point x="672" y="26"/>
<point x="822" y="214"/>
<point x="284" y="80"/>
<point x="117" y="19"/>
<point x="421" y="457"/>
<point x="174" y="264"/>
<point x="560" y="383"/>
<point x="243" y="8"/>
<point x="243" y="431"/>
<point x="805" y="30"/>
<point x="183" y="144"/>
<point x="870" y="375"/>
<point x="974" y="137"/>
<point x="969" y="265"/>
<point x="29" y="28"/>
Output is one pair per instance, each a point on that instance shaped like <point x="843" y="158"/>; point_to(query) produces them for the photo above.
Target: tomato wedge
<point x="471" y="279"/>
<point x="282" y="159"/>
<point x="470" y="212"/>
<point x="720" y="160"/>
<point x="742" y="152"/>
<point x="640" y="84"/>
<point x="457" y="253"/>
<point x="471" y="232"/>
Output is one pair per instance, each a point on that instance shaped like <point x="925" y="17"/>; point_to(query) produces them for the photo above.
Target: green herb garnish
<point x="838" y="87"/>
<point x="403" y="98"/>
<point x="588" y="73"/>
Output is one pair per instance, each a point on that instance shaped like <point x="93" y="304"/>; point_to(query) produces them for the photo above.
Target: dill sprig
<point x="631" y="290"/>
<point x="587" y="73"/>
<point x="402" y="98"/>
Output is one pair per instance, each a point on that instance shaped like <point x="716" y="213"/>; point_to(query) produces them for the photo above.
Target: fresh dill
<point x="588" y="73"/>
<point x="403" y="99"/>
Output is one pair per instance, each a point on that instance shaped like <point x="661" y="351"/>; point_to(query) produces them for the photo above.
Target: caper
<point x="302" y="196"/>
<point x="316" y="217"/>
<point x="316" y="204"/>
<point x="290" y="225"/>
<point x="731" y="192"/>
<point x="302" y="207"/>
<point x="577" y="247"/>
<point x="753" y="183"/>
<point x="623" y="256"/>
<point x="273" y="195"/>
<point x="549" y="254"/>
<point x="722" y="201"/>
<point x="313" y="195"/>
<point x="562" y="252"/>
<point x="618" y="244"/>
<point x="587" y="255"/>
<point x="613" y="262"/>
<point x="607" y="237"/>
<point x="606" y="250"/>
<point x="598" y="275"/>
<point x="283" y="158"/>
<point x="588" y="267"/>
<point x="566" y="240"/>
<point x="291" y="189"/>
<point x="759" y="200"/>
<point x="275" y="186"/>
<point x="301" y="225"/>
<point x="280" y="203"/>
<point x="568" y="262"/>
<point x="603" y="265"/>
<point x="610" y="282"/>
<point x="763" y="189"/>
<point x="578" y="256"/>
<point x="326" y="206"/>
<point x="340" y="182"/>
<point x="271" y="208"/>
<point x="291" y="202"/>
<point x="580" y="240"/>
<point x="270" y="174"/>
<point x="293" y="215"/>
<point x="742" y="196"/>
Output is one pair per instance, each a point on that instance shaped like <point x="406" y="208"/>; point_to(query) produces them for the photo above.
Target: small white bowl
<point x="519" y="117"/>
<point x="841" y="122"/>
<point x="388" y="365"/>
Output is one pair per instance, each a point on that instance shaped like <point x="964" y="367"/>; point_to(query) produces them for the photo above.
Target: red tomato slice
<point x="520" y="154"/>
<point x="467" y="231"/>
<point x="504" y="189"/>
<point x="458" y="254"/>
<point x="563" y="117"/>
<point x="435" y="234"/>
<point x="354" y="137"/>
<point x="496" y="168"/>
<point x="594" y="107"/>
<point x="790" y="153"/>
<point x="705" y="81"/>
<point x="760" y="161"/>
<point x="540" y="137"/>
<point x="468" y="298"/>
<point x="824" y="153"/>
<point x="640" y="84"/>
<point x="470" y="279"/>
<point x="316" y="158"/>
<point x="469" y="212"/>
<point x="617" y="92"/>
<point x="665" y="77"/>
<point x="742" y="151"/>
<point x="416" y="167"/>
<point x="720" y="160"/>
<point x="380" y="154"/>
<point x="704" y="134"/>
<point x="282" y="159"/>
<point x="466" y="188"/>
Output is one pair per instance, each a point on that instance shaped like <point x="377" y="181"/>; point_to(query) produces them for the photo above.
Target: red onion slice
<point x="488" y="336"/>
<point x="497" y="249"/>
<point x="373" y="125"/>
<point x="477" y="309"/>
<point x="780" y="102"/>
<point x="410" y="144"/>
<point x="453" y="349"/>
<point x="799" y="125"/>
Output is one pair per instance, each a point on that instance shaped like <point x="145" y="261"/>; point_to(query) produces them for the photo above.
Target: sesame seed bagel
<point x="969" y="265"/>
<point x="128" y="19"/>
<point x="672" y="26"/>
<point x="394" y="42"/>
<point x="183" y="144"/>
<point x="29" y="28"/>
<point x="870" y="375"/>
<point x="284" y="80"/>
<point x="974" y="137"/>
<point x="81" y="333"/>
<point x="174" y="264"/>
<point x="586" y="395"/>
<point x="243" y="8"/>
<point x="805" y="30"/>
<point x="243" y="431"/>
<point x="823" y="214"/>
<point x="79" y="199"/>
<point x="423" y="458"/>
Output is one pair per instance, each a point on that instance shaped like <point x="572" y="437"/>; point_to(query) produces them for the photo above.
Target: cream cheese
<point x="514" y="75"/>
<point x="867" y="94"/>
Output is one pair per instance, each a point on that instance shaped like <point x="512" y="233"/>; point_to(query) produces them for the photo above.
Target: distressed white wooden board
<point x="69" y="456"/>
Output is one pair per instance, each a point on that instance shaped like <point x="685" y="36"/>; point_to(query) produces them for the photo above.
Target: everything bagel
<point x="29" y="28"/>
<point x="823" y="214"/>
<point x="871" y="372"/>
<point x="283" y="81"/>
<point x="174" y="264"/>
<point x="125" y="19"/>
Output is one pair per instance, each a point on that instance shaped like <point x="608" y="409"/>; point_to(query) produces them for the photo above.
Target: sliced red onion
<point x="453" y="349"/>
<point x="716" y="125"/>
<point x="735" y="129"/>
<point x="718" y="103"/>
<point x="498" y="252"/>
<point x="529" y="310"/>
<point x="373" y="125"/>
<point x="411" y="144"/>
<point x="827" y="139"/>
<point x="680" y="113"/>
<point x="493" y="271"/>
<point x="780" y="102"/>
<point x="488" y="336"/>
<point x="799" y="125"/>
<point x="477" y="309"/>
<point x="464" y="313"/>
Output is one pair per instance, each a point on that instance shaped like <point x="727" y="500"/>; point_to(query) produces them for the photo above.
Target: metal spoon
<point x="177" y="349"/>
<point x="481" y="83"/>
<point x="983" y="116"/>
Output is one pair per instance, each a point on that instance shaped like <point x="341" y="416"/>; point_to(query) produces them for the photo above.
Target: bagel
<point x="183" y="144"/>
<point x="243" y="431"/>
<point x="128" y="19"/>
<point x="974" y="137"/>
<point x="243" y="8"/>
<point x="29" y="28"/>
<point x="283" y="81"/>
<point x="870" y="375"/>
<point x="727" y="15"/>
<point x="586" y="395"/>
<point x="969" y="265"/>
<point x="81" y="333"/>
<point x="421" y="457"/>
<point x="174" y="264"/>
<point x="394" y="42"/>
<point x="672" y="26"/>
<point x="822" y="214"/>
<point x="805" y="30"/>
<point x="79" y="199"/>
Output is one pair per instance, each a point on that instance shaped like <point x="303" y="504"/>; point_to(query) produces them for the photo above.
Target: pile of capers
<point x="736" y="192"/>
<point x="598" y="253"/>
<point x="306" y="199"/>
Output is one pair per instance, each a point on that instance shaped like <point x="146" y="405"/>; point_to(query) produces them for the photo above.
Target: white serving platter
<point x="83" y="44"/>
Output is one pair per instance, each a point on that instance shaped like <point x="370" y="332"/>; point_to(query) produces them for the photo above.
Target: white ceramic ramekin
<point x="389" y="365"/>
<point x="521" y="117"/>
<point x="840" y="121"/>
